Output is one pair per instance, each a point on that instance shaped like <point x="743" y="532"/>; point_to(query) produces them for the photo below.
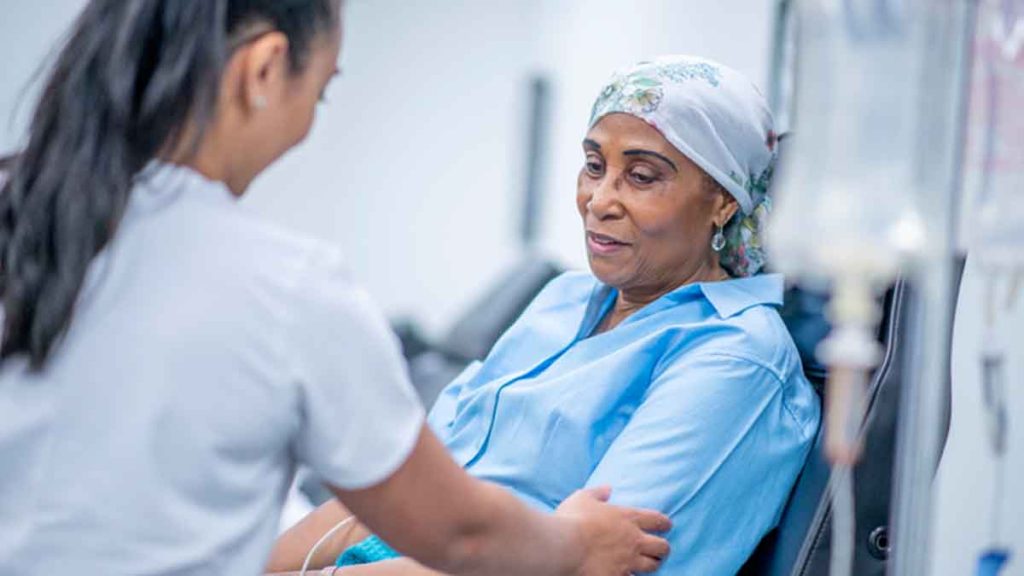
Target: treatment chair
<point x="6" y="164"/>
<point x="433" y="365"/>
<point x="801" y="544"/>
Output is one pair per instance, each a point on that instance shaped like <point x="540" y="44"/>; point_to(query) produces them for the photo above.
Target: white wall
<point x="29" y="32"/>
<point x="416" y="165"/>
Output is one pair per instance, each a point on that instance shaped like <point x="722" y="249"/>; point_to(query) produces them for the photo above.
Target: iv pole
<point x="942" y="88"/>
<point x="946" y="82"/>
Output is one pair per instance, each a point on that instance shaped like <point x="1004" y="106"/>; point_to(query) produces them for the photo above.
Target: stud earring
<point x="259" y="102"/>
<point x="718" y="240"/>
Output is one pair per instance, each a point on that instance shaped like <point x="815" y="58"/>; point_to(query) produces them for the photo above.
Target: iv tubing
<point x="320" y="542"/>
<point x="844" y="522"/>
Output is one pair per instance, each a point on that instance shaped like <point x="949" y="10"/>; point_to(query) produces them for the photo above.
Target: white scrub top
<point x="209" y="354"/>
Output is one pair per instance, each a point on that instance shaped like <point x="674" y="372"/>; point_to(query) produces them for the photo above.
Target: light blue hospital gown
<point x="696" y="405"/>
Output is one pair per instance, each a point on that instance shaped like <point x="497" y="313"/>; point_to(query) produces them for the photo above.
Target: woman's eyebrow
<point x="651" y="153"/>
<point x="588" y="143"/>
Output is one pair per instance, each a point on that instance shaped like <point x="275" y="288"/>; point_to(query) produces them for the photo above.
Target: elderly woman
<point x="666" y="373"/>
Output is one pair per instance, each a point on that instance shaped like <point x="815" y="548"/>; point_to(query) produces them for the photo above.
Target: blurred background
<point x="424" y="156"/>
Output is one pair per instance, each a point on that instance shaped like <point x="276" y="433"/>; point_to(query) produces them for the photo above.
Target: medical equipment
<point x="327" y="535"/>
<point x="866" y="192"/>
<point x="993" y="365"/>
<point x="993" y="226"/>
<point x="846" y="180"/>
<point x="847" y="183"/>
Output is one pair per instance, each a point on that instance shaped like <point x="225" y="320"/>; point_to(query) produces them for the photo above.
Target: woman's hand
<point x="616" y="540"/>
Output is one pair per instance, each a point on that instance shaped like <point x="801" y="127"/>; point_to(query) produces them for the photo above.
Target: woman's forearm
<point x="292" y="547"/>
<point x="398" y="567"/>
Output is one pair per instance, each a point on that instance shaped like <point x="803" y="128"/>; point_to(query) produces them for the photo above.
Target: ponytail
<point x="133" y="77"/>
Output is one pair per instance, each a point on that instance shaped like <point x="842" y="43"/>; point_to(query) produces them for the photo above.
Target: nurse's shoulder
<point x="181" y="213"/>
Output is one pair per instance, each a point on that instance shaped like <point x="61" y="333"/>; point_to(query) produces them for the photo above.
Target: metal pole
<point x="943" y="95"/>
<point x="780" y="73"/>
<point x="540" y="100"/>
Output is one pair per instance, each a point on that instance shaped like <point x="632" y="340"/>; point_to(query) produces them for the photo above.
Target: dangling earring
<point x="718" y="240"/>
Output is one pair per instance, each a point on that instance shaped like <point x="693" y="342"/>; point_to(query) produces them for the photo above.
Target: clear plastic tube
<point x="320" y="542"/>
<point x="851" y="353"/>
<point x="844" y="522"/>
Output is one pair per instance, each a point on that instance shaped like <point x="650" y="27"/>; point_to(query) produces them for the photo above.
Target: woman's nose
<point x="604" y="201"/>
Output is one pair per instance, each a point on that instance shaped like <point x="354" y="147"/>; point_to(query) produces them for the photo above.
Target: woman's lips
<point x="604" y="245"/>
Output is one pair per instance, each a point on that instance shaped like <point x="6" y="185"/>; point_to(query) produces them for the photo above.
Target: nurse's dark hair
<point x="133" y="79"/>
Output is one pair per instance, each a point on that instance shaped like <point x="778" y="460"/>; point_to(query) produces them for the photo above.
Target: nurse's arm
<point x="433" y="511"/>
<point x="291" y="548"/>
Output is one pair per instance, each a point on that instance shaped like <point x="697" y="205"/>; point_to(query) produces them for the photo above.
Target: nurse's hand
<point x="433" y="511"/>
<point x="617" y="541"/>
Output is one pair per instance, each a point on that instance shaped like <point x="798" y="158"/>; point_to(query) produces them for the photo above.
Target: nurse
<point x="168" y="358"/>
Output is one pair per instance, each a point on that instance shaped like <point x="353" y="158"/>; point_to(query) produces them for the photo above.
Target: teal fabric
<point x="370" y="550"/>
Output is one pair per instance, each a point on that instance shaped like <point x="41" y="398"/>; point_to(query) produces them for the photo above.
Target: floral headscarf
<point x="717" y="118"/>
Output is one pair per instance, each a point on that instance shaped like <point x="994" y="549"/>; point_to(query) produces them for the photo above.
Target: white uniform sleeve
<point x="361" y="417"/>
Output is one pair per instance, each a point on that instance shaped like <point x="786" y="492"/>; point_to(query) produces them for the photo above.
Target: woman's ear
<point x="265" y="70"/>
<point x="726" y="208"/>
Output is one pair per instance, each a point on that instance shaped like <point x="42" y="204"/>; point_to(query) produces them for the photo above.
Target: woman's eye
<point x="642" y="178"/>
<point x="594" y="168"/>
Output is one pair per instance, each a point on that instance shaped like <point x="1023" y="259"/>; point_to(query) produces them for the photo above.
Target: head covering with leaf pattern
<point x="717" y="118"/>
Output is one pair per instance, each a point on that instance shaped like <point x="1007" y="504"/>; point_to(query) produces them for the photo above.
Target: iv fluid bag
<point x="846" y="196"/>
<point x="993" y="229"/>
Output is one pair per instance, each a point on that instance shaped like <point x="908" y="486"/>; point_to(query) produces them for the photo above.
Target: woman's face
<point x="647" y="212"/>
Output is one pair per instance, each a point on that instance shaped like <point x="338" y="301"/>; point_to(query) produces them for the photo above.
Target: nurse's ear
<point x="265" y="72"/>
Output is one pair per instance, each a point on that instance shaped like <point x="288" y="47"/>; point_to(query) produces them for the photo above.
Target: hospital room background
<point x="420" y="160"/>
